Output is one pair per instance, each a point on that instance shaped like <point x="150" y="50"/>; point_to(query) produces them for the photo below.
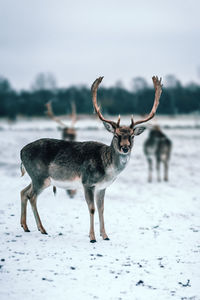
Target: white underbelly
<point x="163" y="156"/>
<point x="104" y="184"/>
<point x="151" y="151"/>
<point x="67" y="184"/>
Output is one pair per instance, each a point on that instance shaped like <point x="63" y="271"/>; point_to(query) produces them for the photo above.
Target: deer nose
<point x="125" y="149"/>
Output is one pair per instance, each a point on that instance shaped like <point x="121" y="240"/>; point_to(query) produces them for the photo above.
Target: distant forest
<point x="176" y="98"/>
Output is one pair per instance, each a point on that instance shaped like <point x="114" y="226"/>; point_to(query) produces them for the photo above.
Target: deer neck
<point x="113" y="163"/>
<point x="119" y="161"/>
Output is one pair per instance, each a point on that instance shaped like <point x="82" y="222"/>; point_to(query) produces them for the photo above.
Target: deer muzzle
<point x="125" y="149"/>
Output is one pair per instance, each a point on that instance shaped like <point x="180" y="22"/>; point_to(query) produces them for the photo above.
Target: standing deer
<point x="68" y="133"/>
<point x="159" y="146"/>
<point x="92" y="164"/>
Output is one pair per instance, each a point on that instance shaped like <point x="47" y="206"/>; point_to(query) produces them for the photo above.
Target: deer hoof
<point x="107" y="239"/>
<point x="93" y="241"/>
<point x="42" y="230"/>
<point x="25" y="228"/>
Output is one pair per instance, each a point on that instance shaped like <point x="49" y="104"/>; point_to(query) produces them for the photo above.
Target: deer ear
<point x="138" y="130"/>
<point x="109" y="127"/>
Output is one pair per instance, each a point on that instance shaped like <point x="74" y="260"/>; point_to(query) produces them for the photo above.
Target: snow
<point x="154" y="248"/>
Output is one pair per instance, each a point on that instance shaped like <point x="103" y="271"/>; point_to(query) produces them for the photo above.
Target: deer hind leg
<point x="71" y="193"/>
<point x="24" y="198"/>
<point x="38" y="187"/>
<point x="33" y="201"/>
<point x="89" y="197"/>
<point x="150" y="169"/>
<point x="100" y="206"/>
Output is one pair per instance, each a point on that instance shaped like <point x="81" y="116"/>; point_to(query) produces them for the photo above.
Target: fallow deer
<point x="68" y="132"/>
<point x="157" y="146"/>
<point x="92" y="164"/>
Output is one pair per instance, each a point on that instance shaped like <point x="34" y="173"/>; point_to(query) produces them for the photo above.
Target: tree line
<point x="176" y="99"/>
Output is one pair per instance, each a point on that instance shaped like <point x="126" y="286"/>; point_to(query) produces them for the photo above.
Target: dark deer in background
<point x="68" y="132"/>
<point x="92" y="164"/>
<point x="157" y="146"/>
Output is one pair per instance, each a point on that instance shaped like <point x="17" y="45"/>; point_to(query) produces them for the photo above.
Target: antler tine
<point x="132" y="122"/>
<point x="73" y="115"/>
<point x="49" y="110"/>
<point x="51" y="114"/>
<point x="158" y="90"/>
<point x="94" y="88"/>
<point x="118" y="121"/>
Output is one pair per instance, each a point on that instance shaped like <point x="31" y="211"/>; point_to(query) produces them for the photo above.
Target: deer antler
<point x="158" y="91"/>
<point x="51" y="114"/>
<point x="73" y="115"/>
<point x="96" y="107"/>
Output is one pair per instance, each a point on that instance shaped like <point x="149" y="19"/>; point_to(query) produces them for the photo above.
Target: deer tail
<point x="23" y="170"/>
<point x="54" y="190"/>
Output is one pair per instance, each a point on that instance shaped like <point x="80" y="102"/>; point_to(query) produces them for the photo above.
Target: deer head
<point x="124" y="135"/>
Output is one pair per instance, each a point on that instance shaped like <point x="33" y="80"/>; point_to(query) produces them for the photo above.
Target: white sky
<point x="80" y="40"/>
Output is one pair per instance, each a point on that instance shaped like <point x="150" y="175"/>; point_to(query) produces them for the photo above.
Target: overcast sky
<point x="80" y="40"/>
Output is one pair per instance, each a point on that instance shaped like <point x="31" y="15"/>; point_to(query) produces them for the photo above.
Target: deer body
<point x="91" y="164"/>
<point x="157" y="146"/>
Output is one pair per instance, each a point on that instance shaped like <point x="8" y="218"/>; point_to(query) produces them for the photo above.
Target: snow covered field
<point x="154" y="229"/>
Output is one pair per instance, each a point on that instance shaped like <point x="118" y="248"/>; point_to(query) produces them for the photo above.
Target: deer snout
<point x="125" y="149"/>
<point x="125" y="146"/>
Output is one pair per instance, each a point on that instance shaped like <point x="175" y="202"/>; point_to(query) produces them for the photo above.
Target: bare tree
<point x="139" y="84"/>
<point x="44" y="81"/>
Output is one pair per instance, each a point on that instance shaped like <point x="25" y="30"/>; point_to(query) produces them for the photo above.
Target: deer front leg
<point x="158" y="169"/>
<point x="89" y="197"/>
<point x="166" y="170"/>
<point x="150" y="169"/>
<point x="100" y="205"/>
